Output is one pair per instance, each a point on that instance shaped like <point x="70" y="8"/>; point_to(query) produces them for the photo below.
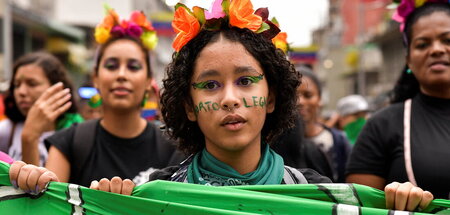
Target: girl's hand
<point x="48" y="107"/>
<point x="116" y="185"/>
<point x="31" y="179"/>
<point x="406" y="196"/>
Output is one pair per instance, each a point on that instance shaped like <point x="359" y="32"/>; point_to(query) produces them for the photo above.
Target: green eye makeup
<point x="242" y="81"/>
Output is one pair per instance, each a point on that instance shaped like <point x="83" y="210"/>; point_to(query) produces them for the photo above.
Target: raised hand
<point x="41" y="118"/>
<point x="48" y="107"/>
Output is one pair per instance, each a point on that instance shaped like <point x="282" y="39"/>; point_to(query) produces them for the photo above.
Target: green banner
<point x="163" y="197"/>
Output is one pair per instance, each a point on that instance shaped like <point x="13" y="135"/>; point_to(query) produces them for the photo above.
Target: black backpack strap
<point x="83" y="141"/>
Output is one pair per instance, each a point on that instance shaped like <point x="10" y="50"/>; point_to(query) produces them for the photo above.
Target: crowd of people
<point x="234" y="109"/>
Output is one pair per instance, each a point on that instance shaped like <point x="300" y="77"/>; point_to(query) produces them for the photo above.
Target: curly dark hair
<point x="53" y="69"/>
<point x="281" y="76"/>
<point x="407" y="85"/>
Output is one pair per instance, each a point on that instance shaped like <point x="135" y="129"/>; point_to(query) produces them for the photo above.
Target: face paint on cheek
<point x="200" y="107"/>
<point x="208" y="103"/>
<point x="260" y="101"/>
<point x="245" y="103"/>
<point x="215" y="106"/>
<point x="255" y="102"/>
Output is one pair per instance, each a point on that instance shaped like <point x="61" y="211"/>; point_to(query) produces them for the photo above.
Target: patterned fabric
<point x="163" y="197"/>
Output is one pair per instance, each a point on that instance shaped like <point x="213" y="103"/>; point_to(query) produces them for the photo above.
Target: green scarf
<point x="207" y="170"/>
<point x="67" y="120"/>
<point x="352" y="129"/>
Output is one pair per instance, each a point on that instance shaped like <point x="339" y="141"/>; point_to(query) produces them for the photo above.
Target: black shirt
<point x="379" y="148"/>
<point x="132" y="158"/>
<point x="299" y="152"/>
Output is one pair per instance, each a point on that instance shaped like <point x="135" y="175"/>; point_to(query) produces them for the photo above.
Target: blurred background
<point x="352" y="45"/>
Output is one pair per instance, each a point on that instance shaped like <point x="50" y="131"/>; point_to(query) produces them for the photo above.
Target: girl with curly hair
<point x="227" y="94"/>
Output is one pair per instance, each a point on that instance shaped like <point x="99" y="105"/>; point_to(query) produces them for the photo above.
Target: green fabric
<point x="68" y="119"/>
<point x="353" y="129"/>
<point x="206" y="169"/>
<point x="173" y="198"/>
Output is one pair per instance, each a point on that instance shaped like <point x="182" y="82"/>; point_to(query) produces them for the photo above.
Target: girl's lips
<point x="233" y="122"/>
<point x="234" y="126"/>
<point x="121" y="91"/>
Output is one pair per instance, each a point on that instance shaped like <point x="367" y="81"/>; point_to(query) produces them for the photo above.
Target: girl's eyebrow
<point x="238" y="70"/>
<point x="244" y="69"/>
<point x="207" y="74"/>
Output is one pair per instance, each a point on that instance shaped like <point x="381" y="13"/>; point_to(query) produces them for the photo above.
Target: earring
<point x="408" y="71"/>
<point x="144" y="100"/>
<point x="95" y="101"/>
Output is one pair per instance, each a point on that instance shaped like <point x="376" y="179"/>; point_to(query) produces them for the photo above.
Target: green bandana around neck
<point x="354" y="128"/>
<point x="207" y="170"/>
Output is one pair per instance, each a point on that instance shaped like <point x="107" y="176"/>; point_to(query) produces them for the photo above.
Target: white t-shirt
<point x="15" y="151"/>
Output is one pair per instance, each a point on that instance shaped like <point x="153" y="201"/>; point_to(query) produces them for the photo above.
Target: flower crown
<point x="137" y="26"/>
<point x="406" y="7"/>
<point x="237" y="13"/>
<point x="280" y="40"/>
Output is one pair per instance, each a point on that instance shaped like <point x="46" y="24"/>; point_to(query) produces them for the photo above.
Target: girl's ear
<point x="270" y="102"/>
<point x="192" y="116"/>
<point x="148" y="84"/>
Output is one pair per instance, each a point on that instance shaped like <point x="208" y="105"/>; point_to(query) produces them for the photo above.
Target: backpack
<point x="83" y="141"/>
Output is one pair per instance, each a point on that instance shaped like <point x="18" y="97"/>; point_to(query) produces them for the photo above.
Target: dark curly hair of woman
<point x="282" y="79"/>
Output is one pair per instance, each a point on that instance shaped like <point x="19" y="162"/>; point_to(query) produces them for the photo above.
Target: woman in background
<point x="39" y="101"/>
<point x="409" y="140"/>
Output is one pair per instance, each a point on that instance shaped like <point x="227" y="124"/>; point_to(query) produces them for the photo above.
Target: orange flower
<point x="110" y="19"/>
<point x="242" y="15"/>
<point x="139" y="18"/>
<point x="280" y="41"/>
<point x="186" y="26"/>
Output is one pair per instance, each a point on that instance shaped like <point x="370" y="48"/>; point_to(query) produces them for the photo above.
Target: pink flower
<point x="216" y="11"/>
<point x="117" y="31"/>
<point x="133" y="30"/>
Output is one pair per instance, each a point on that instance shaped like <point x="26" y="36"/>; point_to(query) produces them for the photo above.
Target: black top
<point x="299" y="152"/>
<point x="379" y="148"/>
<point x="133" y="158"/>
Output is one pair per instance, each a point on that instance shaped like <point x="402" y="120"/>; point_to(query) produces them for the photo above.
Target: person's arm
<point x="367" y="179"/>
<point x="369" y="159"/>
<point x="41" y="118"/>
<point x="58" y="164"/>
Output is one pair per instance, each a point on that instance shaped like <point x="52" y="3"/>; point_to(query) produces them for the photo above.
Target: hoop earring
<point x="95" y="101"/>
